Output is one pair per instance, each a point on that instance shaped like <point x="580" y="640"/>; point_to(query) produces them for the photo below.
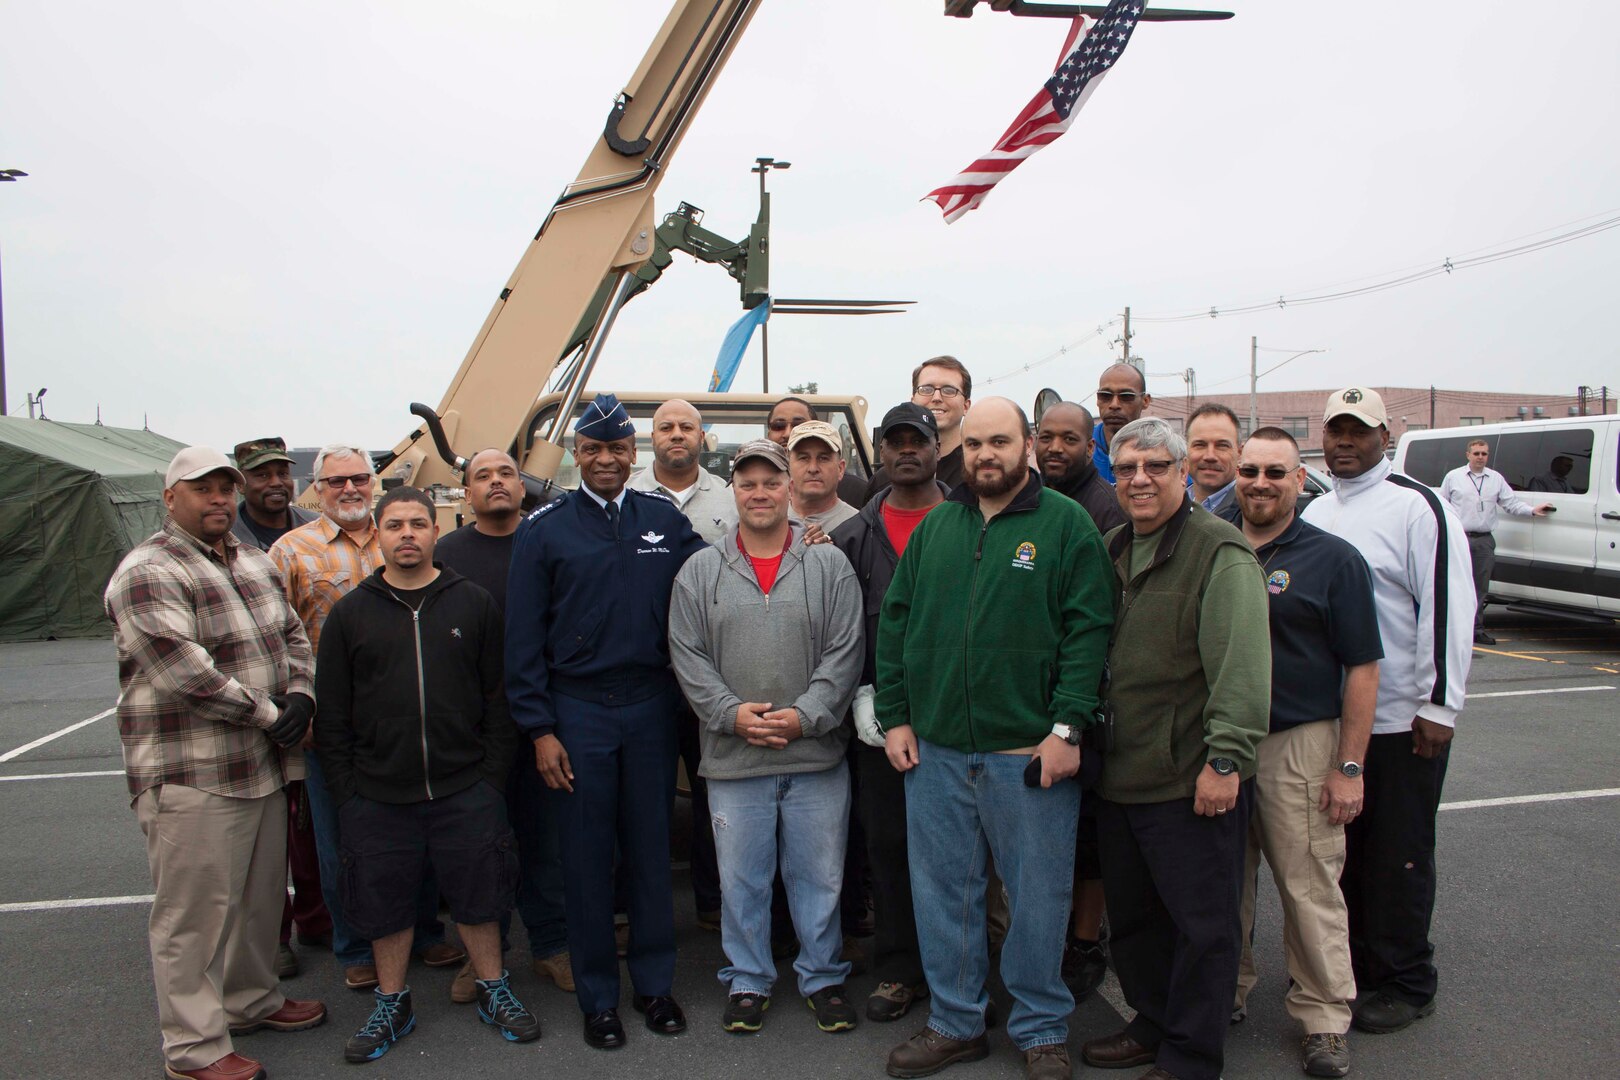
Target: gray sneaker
<point x="1325" y="1054"/>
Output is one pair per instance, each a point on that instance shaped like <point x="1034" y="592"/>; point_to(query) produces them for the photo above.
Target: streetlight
<point x="1254" y="376"/>
<point x="6" y="176"/>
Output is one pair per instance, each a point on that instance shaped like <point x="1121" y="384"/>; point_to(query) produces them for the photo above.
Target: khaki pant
<point x="219" y="872"/>
<point x="1305" y="854"/>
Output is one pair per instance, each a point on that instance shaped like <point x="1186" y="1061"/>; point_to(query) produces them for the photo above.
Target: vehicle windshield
<point x="727" y="425"/>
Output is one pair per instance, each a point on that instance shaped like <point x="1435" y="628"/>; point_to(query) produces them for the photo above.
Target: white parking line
<point x="61" y="775"/>
<point x="1531" y="693"/>
<point x="1517" y="800"/>
<point x="88" y="901"/>
<point x="23" y="749"/>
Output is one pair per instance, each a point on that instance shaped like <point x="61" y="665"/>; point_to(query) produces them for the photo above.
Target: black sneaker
<point x="499" y="1008"/>
<point x="745" y="1013"/>
<point x="832" y="1008"/>
<point x="391" y="1020"/>
<point x="1084" y="967"/>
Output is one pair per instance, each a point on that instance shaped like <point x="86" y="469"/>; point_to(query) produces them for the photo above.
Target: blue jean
<point x="349" y="948"/>
<point x="540" y="880"/>
<point x="964" y="807"/>
<point x="803" y="820"/>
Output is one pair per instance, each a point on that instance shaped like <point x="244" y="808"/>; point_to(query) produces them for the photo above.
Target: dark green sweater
<point x="990" y="633"/>
<point x="1190" y="659"/>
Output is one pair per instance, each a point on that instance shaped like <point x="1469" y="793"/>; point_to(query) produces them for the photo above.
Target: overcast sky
<point x="293" y="218"/>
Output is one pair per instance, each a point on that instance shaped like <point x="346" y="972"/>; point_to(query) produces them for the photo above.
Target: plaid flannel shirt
<point x="320" y="562"/>
<point x="204" y="640"/>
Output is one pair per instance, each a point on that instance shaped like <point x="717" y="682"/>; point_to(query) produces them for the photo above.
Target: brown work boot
<point x="443" y="954"/>
<point x="229" y="1067"/>
<point x="360" y="976"/>
<point x="927" y="1052"/>
<point x="1049" y="1061"/>
<point x="559" y="969"/>
<point x="293" y="1015"/>
<point x="1118" y="1051"/>
<point x="1157" y="1073"/>
<point x="464" y="988"/>
<point x="1325" y="1054"/>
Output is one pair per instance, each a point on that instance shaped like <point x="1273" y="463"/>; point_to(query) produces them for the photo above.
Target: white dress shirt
<point x="1475" y="497"/>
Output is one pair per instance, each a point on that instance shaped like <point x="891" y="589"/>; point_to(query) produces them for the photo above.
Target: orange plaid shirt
<point x="321" y="562"/>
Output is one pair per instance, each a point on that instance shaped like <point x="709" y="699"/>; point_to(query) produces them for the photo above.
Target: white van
<point x="1568" y="561"/>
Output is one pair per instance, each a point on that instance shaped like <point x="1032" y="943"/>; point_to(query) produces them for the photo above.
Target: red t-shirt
<point x="765" y="570"/>
<point x="900" y="524"/>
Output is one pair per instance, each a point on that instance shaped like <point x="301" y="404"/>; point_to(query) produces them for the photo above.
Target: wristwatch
<point x="1225" y="766"/>
<point x="1350" y="769"/>
<point x="1067" y="732"/>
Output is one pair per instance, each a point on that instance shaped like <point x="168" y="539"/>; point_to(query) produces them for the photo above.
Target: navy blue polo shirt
<point x="1323" y="620"/>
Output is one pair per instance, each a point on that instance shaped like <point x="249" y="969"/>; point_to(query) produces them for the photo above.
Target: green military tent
<point x="74" y="498"/>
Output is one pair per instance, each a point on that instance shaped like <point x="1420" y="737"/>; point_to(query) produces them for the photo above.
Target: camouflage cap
<point x="256" y="452"/>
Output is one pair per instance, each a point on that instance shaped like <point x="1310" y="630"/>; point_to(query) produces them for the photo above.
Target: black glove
<point x="297" y="710"/>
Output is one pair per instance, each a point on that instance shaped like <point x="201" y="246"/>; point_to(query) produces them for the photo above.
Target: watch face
<point x="1224" y="766"/>
<point x="1350" y="769"/>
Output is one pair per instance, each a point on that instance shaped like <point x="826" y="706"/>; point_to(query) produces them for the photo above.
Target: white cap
<point x="1358" y="401"/>
<point x="196" y="462"/>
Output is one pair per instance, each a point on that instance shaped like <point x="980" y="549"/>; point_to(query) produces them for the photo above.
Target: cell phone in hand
<point x="1032" y="772"/>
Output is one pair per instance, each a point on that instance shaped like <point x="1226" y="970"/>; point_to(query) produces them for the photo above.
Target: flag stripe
<point x="1086" y="57"/>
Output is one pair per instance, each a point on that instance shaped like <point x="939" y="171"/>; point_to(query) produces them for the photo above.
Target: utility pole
<point x="1581" y="394"/>
<point x="1431" y="406"/>
<point x="1125" y="342"/>
<point x="1254" y="384"/>
<point x="9" y="176"/>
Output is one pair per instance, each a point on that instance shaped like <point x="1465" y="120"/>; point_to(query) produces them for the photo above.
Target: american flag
<point x="1083" y="63"/>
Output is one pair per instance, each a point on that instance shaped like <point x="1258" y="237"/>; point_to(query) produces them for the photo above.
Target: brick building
<point x="1411" y="408"/>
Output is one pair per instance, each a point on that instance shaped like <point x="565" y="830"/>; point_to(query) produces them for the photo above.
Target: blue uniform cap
<point x="605" y="419"/>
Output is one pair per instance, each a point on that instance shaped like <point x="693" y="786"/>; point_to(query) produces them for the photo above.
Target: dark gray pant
<point x="1482" y="547"/>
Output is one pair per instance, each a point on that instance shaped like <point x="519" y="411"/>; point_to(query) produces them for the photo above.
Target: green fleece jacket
<point x="1190" y="658"/>
<point x="992" y="632"/>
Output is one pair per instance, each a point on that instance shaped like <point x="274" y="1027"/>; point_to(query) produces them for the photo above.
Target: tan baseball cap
<point x="196" y="462"/>
<point x="1358" y="401"/>
<point x="816" y="429"/>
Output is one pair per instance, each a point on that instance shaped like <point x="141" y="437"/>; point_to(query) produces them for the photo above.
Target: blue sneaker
<point x="391" y="1020"/>
<point x="500" y="1008"/>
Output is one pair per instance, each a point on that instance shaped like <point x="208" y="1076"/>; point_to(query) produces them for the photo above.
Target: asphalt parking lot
<point x="1526" y="928"/>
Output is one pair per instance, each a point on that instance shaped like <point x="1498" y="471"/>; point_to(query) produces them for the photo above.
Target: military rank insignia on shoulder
<point x="540" y="511"/>
<point x="659" y="495"/>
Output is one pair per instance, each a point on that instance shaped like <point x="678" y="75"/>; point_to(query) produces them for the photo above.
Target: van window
<point x="1428" y="460"/>
<point x="1557" y="461"/>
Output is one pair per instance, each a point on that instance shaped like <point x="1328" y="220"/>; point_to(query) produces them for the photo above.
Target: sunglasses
<point x="359" y="480"/>
<point x="1125" y="397"/>
<point x="782" y="423"/>
<point x="1273" y="472"/>
<point x="1154" y="469"/>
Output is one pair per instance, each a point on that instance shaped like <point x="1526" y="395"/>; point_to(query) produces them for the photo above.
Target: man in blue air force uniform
<point x="588" y="680"/>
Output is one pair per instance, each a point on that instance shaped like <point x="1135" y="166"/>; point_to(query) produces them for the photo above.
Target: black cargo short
<point x="385" y="848"/>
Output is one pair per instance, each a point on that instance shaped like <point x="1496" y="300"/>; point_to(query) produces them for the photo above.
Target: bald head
<point x="995" y="450"/>
<point x="1068" y="413"/>
<point x="995" y="414"/>
<point x="677" y="436"/>
<point x="1121" y="397"/>
<point x="485" y="458"/>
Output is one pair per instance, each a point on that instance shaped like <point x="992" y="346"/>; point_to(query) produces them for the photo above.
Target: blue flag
<point x="733" y="347"/>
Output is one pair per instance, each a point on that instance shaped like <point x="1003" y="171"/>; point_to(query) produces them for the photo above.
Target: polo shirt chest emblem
<point x="1277" y="582"/>
<point x="1024" y="556"/>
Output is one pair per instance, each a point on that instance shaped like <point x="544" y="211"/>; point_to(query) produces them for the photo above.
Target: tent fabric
<point x="74" y="499"/>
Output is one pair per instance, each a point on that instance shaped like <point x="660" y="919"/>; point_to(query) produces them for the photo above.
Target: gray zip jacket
<point x="800" y="646"/>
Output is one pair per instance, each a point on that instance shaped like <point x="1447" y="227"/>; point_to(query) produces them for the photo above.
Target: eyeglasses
<point x="1154" y="469"/>
<point x="359" y="480"/>
<point x="929" y="390"/>
<point x="782" y="423"/>
<point x="1125" y="396"/>
<point x="1273" y="472"/>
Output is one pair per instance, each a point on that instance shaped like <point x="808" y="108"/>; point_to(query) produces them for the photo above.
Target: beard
<point x="992" y="485"/>
<point x="351" y="513"/>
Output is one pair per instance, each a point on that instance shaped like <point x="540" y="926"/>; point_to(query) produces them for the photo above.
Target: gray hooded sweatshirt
<point x="800" y="646"/>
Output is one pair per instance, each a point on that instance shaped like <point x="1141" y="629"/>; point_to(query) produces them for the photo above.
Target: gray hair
<point x="1149" y="433"/>
<point x="341" y="450"/>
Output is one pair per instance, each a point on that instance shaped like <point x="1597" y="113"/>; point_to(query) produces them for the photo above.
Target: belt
<point x="1487" y="532"/>
<point x="616" y="689"/>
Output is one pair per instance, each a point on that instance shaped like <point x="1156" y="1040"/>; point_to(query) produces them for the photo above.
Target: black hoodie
<point x="411" y="704"/>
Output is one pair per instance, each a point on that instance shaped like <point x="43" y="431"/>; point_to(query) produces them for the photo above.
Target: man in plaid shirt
<point x="215" y="673"/>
